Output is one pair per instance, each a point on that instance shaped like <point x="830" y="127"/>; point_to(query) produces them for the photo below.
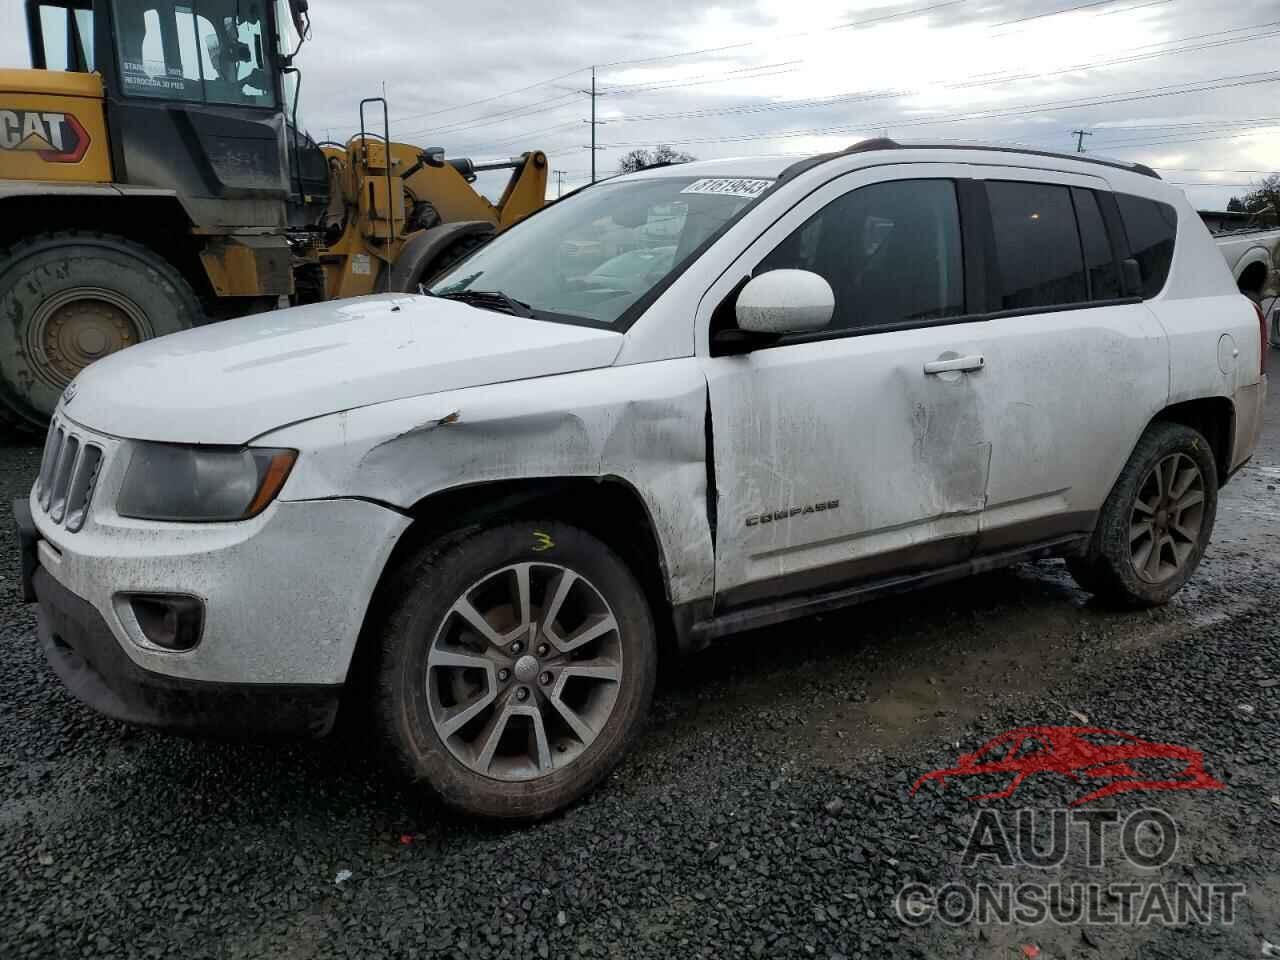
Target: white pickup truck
<point x="485" y="511"/>
<point x="1254" y="259"/>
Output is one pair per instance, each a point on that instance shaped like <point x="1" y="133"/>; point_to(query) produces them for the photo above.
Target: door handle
<point x="976" y="362"/>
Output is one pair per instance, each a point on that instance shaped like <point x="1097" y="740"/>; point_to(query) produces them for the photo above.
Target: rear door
<point x="838" y="456"/>
<point x="1080" y="366"/>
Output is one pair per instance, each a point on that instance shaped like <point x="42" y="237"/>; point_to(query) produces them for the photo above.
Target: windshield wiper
<point x="490" y="300"/>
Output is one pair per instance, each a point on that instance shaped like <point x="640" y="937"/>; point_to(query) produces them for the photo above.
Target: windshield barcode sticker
<point x="729" y="186"/>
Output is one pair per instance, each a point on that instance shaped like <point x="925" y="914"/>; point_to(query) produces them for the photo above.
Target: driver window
<point x="891" y="252"/>
<point x="210" y="50"/>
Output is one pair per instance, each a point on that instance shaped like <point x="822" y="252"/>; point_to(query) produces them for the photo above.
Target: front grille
<point x="68" y="474"/>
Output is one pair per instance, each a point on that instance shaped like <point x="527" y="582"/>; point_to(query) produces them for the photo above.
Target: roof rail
<point x="884" y="143"/>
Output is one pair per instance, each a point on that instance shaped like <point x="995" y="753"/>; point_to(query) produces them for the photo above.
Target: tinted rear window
<point x="1037" y="246"/>
<point x="1151" y="227"/>
<point x="1104" y="278"/>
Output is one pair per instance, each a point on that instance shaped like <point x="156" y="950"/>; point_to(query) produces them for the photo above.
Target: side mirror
<point x="785" y="301"/>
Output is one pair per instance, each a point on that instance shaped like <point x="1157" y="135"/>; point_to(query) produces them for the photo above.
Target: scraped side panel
<point x="644" y="424"/>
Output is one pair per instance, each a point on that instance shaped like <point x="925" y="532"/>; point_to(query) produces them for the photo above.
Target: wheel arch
<point x="156" y="221"/>
<point x="424" y="249"/>
<point x="1252" y="272"/>
<point x="1212" y="417"/>
<point x="610" y="508"/>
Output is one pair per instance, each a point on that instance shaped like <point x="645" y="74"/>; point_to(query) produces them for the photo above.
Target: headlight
<point x="168" y="482"/>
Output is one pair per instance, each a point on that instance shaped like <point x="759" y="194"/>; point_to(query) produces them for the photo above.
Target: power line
<point x="1128" y="96"/>
<point x="1082" y="6"/>
<point x="489" y="119"/>
<point x="862" y="96"/>
<point x="496" y="96"/>
<point x="673" y="56"/>
<point x="973" y="82"/>
<point x="747" y="73"/>
<point x="636" y="89"/>
<point x="915" y="11"/>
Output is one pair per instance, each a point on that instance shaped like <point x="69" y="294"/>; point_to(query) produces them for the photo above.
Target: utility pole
<point x="1080" y="135"/>
<point x="594" y="123"/>
<point x="559" y="182"/>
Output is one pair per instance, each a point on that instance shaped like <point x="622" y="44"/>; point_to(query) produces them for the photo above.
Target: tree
<point x="641" y="159"/>
<point x="1264" y="196"/>
<point x="1234" y="205"/>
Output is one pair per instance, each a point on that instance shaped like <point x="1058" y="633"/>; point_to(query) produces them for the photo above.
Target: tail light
<point x="1263" y="346"/>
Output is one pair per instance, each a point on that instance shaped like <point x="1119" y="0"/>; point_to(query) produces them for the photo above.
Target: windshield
<point x="592" y="255"/>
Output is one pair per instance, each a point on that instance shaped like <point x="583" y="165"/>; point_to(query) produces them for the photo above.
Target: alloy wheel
<point x="524" y="671"/>
<point x="1167" y="517"/>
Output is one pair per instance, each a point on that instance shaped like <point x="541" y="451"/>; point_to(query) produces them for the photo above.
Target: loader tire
<point x="69" y="298"/>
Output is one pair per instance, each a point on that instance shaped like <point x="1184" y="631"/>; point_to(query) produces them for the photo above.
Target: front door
<point x="861" y="450"/>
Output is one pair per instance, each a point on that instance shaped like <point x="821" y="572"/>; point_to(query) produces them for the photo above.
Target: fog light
<point x="168" y="620"/>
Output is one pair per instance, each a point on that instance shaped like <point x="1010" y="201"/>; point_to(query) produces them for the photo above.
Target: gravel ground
<point x="767" y="814"/>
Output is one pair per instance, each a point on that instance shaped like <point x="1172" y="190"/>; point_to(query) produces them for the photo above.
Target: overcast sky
<point x="739" y="77"/>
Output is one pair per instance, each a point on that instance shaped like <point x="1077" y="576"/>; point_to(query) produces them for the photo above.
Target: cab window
<point x="212" y="51"/>
<point x="66" y="37"/>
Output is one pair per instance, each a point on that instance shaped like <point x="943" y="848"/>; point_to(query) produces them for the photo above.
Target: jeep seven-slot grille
<point x="68" y="472"/>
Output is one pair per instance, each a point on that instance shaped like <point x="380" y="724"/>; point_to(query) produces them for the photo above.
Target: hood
<point x="232" y="381"/>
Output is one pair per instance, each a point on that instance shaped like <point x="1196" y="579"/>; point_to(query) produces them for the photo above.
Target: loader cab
<point x="195" y="99"/>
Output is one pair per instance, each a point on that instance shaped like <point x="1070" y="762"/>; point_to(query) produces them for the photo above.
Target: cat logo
<point x="56" y="137"/>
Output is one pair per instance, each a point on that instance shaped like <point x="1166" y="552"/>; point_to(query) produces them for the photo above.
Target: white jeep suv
<point x="484" y="510"/>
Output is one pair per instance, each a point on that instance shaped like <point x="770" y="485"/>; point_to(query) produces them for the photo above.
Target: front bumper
<point x="284" y="593"/>
<point x="284" y="596"/>
<point x="85" y="655"/>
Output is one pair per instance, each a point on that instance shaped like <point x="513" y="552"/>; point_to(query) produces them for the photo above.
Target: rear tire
<point x="67" y="299"/>
<point x="1156" y="523"/>
<point x="509" y="719"/>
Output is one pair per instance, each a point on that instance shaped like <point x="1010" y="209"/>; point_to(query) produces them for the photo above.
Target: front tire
<point x="67" y="299"/>
<point x="1157" y="521"/>
<point x="517" y="665"/>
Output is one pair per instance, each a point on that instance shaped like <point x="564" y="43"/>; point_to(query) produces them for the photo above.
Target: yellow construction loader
<point x="153" y="177"/>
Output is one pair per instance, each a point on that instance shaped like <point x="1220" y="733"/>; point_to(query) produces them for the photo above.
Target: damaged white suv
<point x="670" y="407"/>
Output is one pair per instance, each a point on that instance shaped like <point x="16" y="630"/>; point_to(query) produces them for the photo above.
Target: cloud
<point x="781" y="76"/>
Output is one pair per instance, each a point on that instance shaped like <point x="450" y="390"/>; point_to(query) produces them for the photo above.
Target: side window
<point x="1037" y="245"/>
<point x="1151" y="227"/>
<point x="67" y="45"/>
<point x="891" y="252"/>
<point x="210" y="50"/>
<point x="157" y="58"/>
<point x="1104" y="277"/>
